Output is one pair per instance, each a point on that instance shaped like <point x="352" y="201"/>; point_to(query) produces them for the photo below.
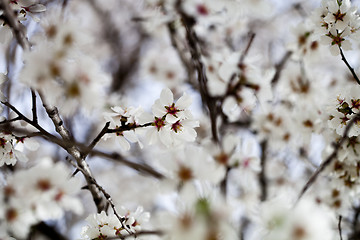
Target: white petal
<point x="171" y="118"/>
<point x="166" y="97"/>
<point x="184" y="102"/>
<point x="158" y="109"/>
<point x="31" y="144"/>
<point x="131" y="136"/>
<point x="123" y="143"/>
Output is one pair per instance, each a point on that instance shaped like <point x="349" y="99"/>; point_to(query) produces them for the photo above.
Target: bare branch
<point x="332" y="156"/>
<point x="339" y="227"/>
<point x="97" y="139"/>
<point x="106" y="195"/>
<point x="74" y="151"/>
<point x="34" y="110"/>
<point x="194" y="48"/>
<point x="251" y="40"/>
<point x="349" y="67"/>
<point x="139" y="167"/>
<point x="279" y="67"/>
<point x="262" y="176"/>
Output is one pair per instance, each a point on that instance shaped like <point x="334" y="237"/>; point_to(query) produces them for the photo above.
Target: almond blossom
<point x="337" y="23"/>
<point x="103" y="226"/>
<point x="171" y="123"/>
<point x="40" y="193"/>
<point x="124" y="117"/>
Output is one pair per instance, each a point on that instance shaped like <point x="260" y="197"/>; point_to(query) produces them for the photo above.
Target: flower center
<point x="176" y="126"/>
<point x="159" y="123"/>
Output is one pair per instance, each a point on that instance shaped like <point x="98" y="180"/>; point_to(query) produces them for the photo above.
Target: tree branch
<point x="193" y="44"/>
<point x="262" y="176"/>
<point x="333" y="155"/>
<point x="339" y="227"/>
<point x="34" y="110"/>
<point x="75" y="152"/>
<point x="349" y="67"/>
<point x="279" y="67"/>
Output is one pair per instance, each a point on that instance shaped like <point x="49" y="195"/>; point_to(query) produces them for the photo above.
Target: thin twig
<point x="279" y="67"/>
<point x="10" y="120"/>
<point x="34" y="110"/>
<point x="106" y="195"/>
<point x="339" y="227"/>
<point x="194" y="47"/>
<point x="223" y="183"/>
<point x="330" y="158"/>
<point x="75" y="152"/>
<point x="182" y="55"/>
<point x="262" y="174"/>
<point x="349" y="67"/>
<point x="139" y="167"/>
<point x="97" y="139"/>
<point x="251" y="40"/>
<point x="127" y="128"/>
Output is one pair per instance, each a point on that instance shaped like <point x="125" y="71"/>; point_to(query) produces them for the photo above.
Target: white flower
<point x="8" y="154"/>
<point x="171" y="123"/>
<point x="336" y="39"/>
<point x="165" y="106"/>
<point x="124" y="117"/>
<point x="307" y="221"/>
<point x="135" y="220"/>
<point x="101" y="226"/>
<point x="343" y="109"/>
<point x="340" y="14"/>
<point x="48" y="189"/>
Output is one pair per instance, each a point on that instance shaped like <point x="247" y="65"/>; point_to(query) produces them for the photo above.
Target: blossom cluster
<point x="43" y="192"/>
<point x="60" y="60"/>
<point x="103" y="226"/>
<point x="252" y="109"/>
<point x="337" y="22"/>
<point x="11" y="148"/>
<point x="170" y="123"/>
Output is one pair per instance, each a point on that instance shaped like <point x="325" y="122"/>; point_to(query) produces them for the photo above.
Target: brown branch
<point x="111" y="34"/>
<point x="332" y="156"/>
<point x="143" y="168"/>
<point x="224" y="182"/>
<point x="243" y="55"/>
<point x="185" y="61"/>
<point x="339" y="227"/>
<point x="106" y="195"/>
<point x="75" y="152"/>
<point x="139" y="167"/>
<point x="194" y="47"/>
<point x="97" y="138"/>
<point x="127" y="127"/>
<point x="34" y="110"/>
<point x="262" y="174"/>
<point x="349" y="67"/>
<point x="279" y="67"/>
